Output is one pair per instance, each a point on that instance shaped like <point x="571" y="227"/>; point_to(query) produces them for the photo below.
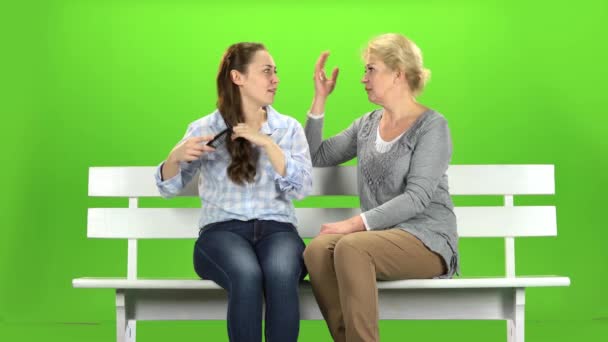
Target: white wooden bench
<point x="488" y="298"/>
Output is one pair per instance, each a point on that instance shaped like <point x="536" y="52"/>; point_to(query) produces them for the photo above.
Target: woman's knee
<point x="320" y="250"/>
<point x="287" y="269"/>
<point x="349" y="248"/>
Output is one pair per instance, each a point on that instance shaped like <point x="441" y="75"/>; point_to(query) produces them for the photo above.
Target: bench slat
<point x="463" y="180"/>
<point x="154" y="223"/>
<point x="486" y="282"/>
<point x="409" y="302"/>
<point x="455" y="299"/>
<point x="501" y="179"/>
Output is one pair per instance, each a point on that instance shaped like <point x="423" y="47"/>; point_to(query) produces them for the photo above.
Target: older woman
<point x="407" y="228"/>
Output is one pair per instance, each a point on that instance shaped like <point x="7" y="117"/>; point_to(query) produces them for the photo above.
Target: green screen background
<point x="113" y="83"/>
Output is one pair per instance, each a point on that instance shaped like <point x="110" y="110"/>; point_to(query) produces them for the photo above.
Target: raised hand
<point x="323" y="85"/>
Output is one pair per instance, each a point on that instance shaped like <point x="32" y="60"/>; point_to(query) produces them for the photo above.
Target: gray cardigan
<point x="405" y="187"/>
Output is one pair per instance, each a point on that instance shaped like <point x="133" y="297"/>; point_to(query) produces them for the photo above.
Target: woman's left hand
<point x="254" y="136"/>
<point x="352" y="225"/>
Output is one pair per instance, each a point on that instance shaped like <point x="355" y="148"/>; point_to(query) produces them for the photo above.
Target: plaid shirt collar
<point x="274" y="121"/>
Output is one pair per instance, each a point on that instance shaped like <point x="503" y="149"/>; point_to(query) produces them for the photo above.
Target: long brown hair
<point x="244" y="162"/>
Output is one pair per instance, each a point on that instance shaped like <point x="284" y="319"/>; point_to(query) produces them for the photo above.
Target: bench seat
<point x="460" y="283"/>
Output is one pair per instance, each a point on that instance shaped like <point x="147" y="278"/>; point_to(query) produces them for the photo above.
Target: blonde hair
<point x="400" y="53"/>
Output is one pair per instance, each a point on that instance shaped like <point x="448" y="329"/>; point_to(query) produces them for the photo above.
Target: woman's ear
<point x="400" y="76"/>
<point x="236" y="77"/>
<point x="397" y="76"/>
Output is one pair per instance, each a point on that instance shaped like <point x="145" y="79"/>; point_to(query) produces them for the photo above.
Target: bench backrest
<point x="507" y="221"/>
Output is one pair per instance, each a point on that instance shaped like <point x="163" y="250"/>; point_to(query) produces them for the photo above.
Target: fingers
<point x="196" y="152"/>
<point x="324" y="230"/>
<point x="206" y="148"/>
<point x="239" y="134"/>
<point x="321" y="61"/>
<point x="334" y="74"/>
<point x="240" y="131"/>
<point x="240" y="128"/>
<point x="325" y="227"/>
<point x="195" y="147"/>
<point x="321" y="76"/>
<point x="201" y="147"/>
<point x="192" y="156"/>
<point x="201" y="139"/>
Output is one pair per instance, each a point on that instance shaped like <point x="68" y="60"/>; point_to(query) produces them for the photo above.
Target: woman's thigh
<point x="226" y="257"/>
<point x="280" y="254"/>
<point x="396" y="254"/>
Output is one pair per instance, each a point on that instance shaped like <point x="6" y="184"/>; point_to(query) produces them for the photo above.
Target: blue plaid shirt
<point x="268" y="197"/>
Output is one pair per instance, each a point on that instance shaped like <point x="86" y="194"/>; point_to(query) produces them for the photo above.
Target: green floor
<point x="313" y="331"/>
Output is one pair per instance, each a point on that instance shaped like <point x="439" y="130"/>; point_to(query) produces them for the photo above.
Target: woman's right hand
<point x="190" y="149"/>
<point x="323" y="85"/>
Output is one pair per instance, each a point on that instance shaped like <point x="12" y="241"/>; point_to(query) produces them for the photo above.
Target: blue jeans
<point x="255" y="260"/>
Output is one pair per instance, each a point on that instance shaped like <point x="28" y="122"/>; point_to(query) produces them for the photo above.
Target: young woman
<point x="251" y="162"/>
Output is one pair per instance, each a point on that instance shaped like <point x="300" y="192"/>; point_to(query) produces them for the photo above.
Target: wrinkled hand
<point x="190" y="149"/>
<point x="352" y="225"/>
<point x="244" y="131"/>
<point x="323" y="85"/>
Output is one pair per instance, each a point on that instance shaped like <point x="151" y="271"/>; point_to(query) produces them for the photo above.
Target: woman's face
<point x="259" y="83"/>
<point x="378" y="79"/>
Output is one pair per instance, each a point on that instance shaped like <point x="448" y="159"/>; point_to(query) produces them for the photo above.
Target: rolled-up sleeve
<point x="173" y="186"/>
<point x="297" y="182"/>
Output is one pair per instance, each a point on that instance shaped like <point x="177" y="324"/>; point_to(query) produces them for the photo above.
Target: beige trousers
<point x="343" y="272"/>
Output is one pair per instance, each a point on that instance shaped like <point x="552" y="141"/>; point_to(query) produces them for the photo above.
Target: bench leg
<point x="515" y="326"/>
<point x="121" y="315"/>
<point x="130" y="332"/>
<point x="125" y="327"/>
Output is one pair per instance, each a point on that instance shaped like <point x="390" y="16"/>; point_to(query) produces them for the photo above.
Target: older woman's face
<point x="378" y="79"/>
